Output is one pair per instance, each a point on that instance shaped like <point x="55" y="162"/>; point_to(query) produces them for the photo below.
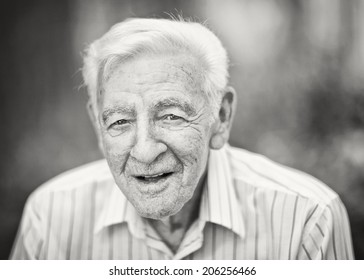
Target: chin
<point x="155" y="215"/>
<point x="158" y="211"/>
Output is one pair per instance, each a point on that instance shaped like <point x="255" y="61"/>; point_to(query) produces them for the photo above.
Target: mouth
<point x="153" y="184"/>
<point x="153" y="178"/>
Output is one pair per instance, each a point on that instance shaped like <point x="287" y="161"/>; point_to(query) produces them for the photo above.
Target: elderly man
<point x="171" y="187"/>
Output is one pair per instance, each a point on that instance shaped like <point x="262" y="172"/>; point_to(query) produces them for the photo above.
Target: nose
<point x="146" y="148"/>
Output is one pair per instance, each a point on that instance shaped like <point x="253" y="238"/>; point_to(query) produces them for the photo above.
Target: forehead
<point x="155" y="75"/>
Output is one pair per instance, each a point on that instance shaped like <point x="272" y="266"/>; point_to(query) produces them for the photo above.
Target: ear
<point x="95" y="124"/>
<point x="222" y="126"/>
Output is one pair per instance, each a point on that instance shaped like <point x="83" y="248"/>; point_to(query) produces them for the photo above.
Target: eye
<point x="118" y="124"/>
<point x="171" y="117"/>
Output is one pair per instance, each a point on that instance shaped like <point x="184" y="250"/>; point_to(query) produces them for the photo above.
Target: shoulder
<point x="259" y="172"/>
<point x="286" y="198"/>
<point x="81" y="179"/>
<point x="64" y="206"/>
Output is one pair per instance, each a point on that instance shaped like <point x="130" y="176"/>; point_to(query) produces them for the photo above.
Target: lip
<point x="156" y="175"/>
<point x="153" y="183"/>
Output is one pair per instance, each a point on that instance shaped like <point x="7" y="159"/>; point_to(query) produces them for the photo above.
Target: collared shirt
<point x="251" y="208"/>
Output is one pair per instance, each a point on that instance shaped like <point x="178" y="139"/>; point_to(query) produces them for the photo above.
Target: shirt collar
<point x="219" y="202"/>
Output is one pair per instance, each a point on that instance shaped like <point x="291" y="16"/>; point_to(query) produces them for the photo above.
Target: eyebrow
<point x="174" y="102"/>
<point x="159" y="106"/>
<point x="117" y="109"/>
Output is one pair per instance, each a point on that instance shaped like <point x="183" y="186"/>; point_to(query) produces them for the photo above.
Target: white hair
<point x="156" y="36"/>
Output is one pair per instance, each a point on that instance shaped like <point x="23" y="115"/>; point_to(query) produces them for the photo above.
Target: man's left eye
<point x="171" y="117"/>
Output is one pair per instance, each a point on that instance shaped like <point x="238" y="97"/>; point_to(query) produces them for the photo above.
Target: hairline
<point x="121" y="59"/>
<point x="171" y="36"/>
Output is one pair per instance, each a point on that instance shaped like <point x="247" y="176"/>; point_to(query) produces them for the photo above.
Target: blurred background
<point x="298" y="66"/>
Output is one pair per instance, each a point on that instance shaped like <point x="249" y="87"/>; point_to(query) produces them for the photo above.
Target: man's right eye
<point x="119" y="124"/>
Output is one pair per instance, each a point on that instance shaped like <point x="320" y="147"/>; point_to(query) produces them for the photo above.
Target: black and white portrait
<point x="182" y="130"/>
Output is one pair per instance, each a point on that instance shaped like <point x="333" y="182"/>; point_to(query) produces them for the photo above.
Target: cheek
<point x="190" y="146"/>
<point x="116" y="150"/>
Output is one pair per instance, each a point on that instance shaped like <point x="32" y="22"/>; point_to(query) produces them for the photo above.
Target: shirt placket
<point x="192" y="241"/>
<point x="154" y="241"/>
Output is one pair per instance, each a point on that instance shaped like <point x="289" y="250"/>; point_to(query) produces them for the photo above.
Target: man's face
<point x="156" y="125"/>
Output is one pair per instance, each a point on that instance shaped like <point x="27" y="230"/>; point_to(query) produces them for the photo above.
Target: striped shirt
<point x="251" y="208"/>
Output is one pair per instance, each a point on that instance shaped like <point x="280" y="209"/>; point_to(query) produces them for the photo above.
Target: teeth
<point x="153" y="176"/>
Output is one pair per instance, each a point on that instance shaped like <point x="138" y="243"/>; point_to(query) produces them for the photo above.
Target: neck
<point x="173" y="228"/>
